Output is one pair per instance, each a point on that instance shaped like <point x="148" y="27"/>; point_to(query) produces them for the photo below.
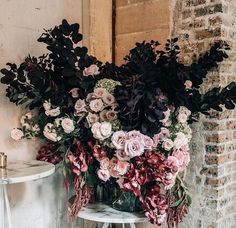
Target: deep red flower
<point x="97" y="150"/>
<point x="50" y="153"/>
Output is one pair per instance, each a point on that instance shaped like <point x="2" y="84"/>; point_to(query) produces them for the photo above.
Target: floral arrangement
<point x="120" y="127"/>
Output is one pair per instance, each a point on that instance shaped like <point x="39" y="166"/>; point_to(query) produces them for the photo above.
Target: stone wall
<point x="212" y="173"/>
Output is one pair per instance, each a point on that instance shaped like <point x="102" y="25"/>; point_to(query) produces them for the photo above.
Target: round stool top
<point x="103" y="213"/>
<point x="23" y="171"/>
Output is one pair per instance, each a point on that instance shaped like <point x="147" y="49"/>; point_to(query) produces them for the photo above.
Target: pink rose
<point x="74" y="92"/>
<point x="108" y="99"/>
<point x="80" y="107"/>
<point x="104" y="163"/>
<point x="103" y="174"/>
<point x="169" y="180"/>
<point x="148" y="142"/>
<point x="172" y="163"/>
<point x="167" y="144"/>
<point x="121" y="155"/>
<point x="133" y="147"/>
<point x="96" y="105"/>
<point x="135" y="135"/>
<point x="92" y="118"/>
<point x="118" y="139"/>
<point x="68" y="125"/>
<point x="89" y="97"/>
<point x="111" y="115"/>
<point x="99" y="92"/>
<point x="182" y="156"/>
<point x="53" y="112"/>
<point x="91" y="70"/>
<point x="17" y="134"/>
<point x="159" y="137"/>
<point x="122" y="167"/>
<point x="103" y="115"/>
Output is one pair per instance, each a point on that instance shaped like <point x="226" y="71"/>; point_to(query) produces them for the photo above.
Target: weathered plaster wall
<point x="38" y="204"/>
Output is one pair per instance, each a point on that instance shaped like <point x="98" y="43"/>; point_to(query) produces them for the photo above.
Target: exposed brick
<point x="186" y="14"/>
<point x="218" y="149"/>
<point x="217" y="182"/>
<point x="212" y="159"/>
<point x="208" y="10"/>
<point x="213" y="126"/>
<point x="206" y="33"/>
<point x="217" y="20"/>
<point x="194" y="2"/>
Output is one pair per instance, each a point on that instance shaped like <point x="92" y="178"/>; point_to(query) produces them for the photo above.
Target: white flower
<point x="92" y="118"/>
<point x="68" y="125"/>
<point x="99" y="92"/>
<point x="35" y="128"/>
<point x="58" y="121"/>
<point x="180" y="140"/>
<point x="184" y="110"/>
<point x="168" y="144"/>
<point x="91" y="70"/>
<point x="74" y="92"/>
<point x="166" y="117"/>
<point x="108" y="99"/>
<point x="53" y="112"/>
<point x="102" y="130"/>
<point x="182" y="118"/>
<point x="188" y="84"/>
<point x="118" y="139"/>
<point x="96" y="131"/>
<point x="106" y="129"/>
<point x="50" y="133"/>
<point x="104" y="174"/>
<point x="17" y="134"/>
<point x="96" y="105"/>
<point x="80" y="107"/>
<point x="47" y="105"/>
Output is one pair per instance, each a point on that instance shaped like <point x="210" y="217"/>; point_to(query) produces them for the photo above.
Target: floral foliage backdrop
<point x="123" y="129"/>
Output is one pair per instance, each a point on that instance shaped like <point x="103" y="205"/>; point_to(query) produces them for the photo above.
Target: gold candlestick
<point x="3" y="160"/>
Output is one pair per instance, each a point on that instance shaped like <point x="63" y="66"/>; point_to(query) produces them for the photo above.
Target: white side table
<point x="105" y="214"/>
<point x="18" y="172"/>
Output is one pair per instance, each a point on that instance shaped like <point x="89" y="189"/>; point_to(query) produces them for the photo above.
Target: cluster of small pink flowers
<point x="92" y="70"/>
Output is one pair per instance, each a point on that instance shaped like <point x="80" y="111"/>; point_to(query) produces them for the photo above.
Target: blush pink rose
<point x="135" y="135"/>
<point x="172" y="163"/>
<point x="160" y="136"/>
<point x="68" y="125"/>
<point x="96" y="105"/>
<point x="118" y="139"/>
<point x="91" y="70"/>
<point x="147" y="142"/>
<point x="104" y="163"/>
<point x="104" y="174"/>
<point x="133" y="147"/>
<point x="183" y="157"/>
<point x="99" y="92"/>
<point x="122" y="167"/>
<point x="111" y="115"/>
<point x="92" y="118"/>
<point x="80" y="107"/>
<point x="103" y="115"/>
<point x="180" y="140"/>
<point x="108" y="99"/>
<point x="188" y="84"/>
<point x="167" y="144"/>
<point x="121" y="155"/>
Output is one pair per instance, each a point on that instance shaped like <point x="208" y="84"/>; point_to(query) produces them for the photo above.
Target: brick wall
<point x="211" y="175"/>
<point x="138" y="20"/>
<point x="212" y="172"/>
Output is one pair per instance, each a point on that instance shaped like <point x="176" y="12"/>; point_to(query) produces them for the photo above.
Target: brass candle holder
<point x="3" y="160"/>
